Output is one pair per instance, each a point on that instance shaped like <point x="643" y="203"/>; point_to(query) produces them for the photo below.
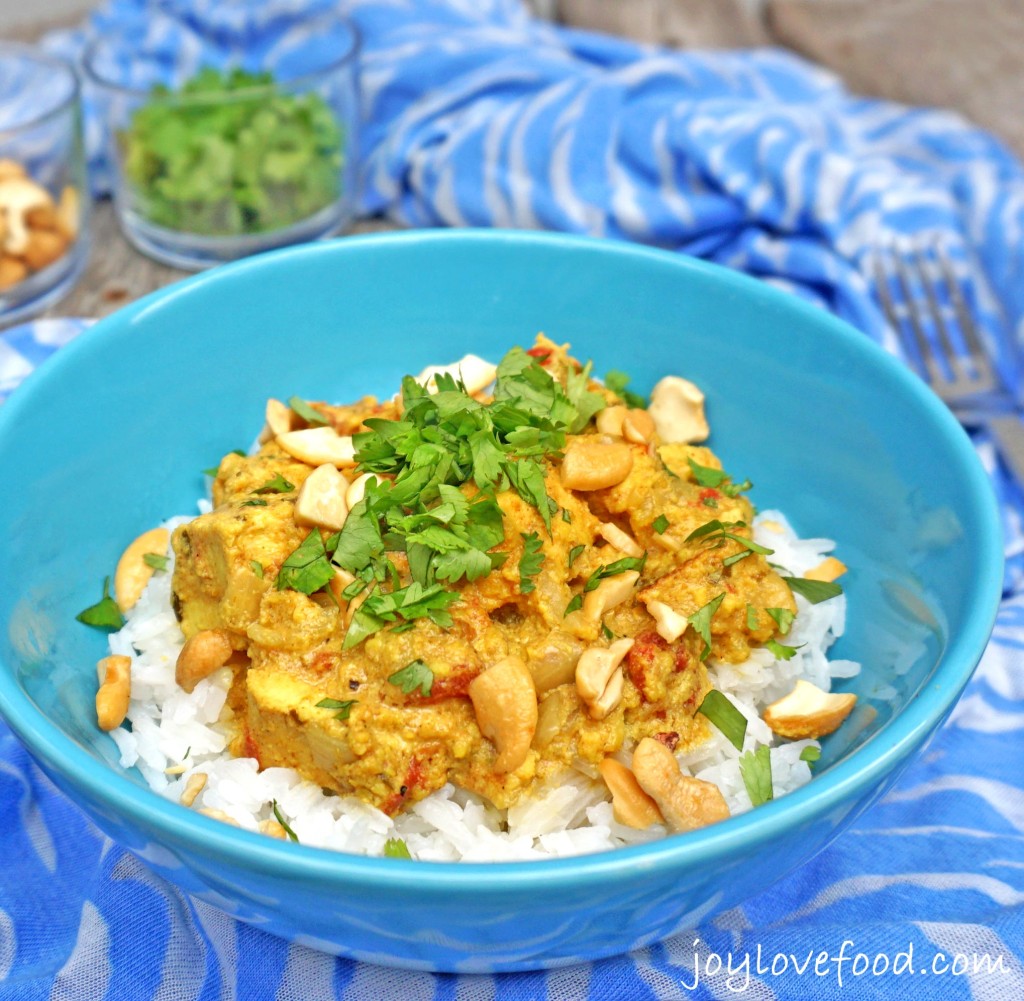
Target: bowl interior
<point x="110" y="437"/>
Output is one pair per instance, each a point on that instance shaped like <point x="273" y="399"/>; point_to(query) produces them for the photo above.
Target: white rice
<point x="171" y="728"/>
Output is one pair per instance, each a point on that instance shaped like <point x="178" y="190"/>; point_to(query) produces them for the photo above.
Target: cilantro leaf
<point x="752" y="618"/>
<point x="781" y="651"/>
<point x="813" y="590"/>
<point x="701" y="622"/>
<point x="156" y="561"/>
<point x="414" y="675"/>
<point x="309" y="414"/>
<point x="257" y="568"/>
<point x="396" y="848"/>
<point x="255" y="502"/>
<point x="307" y="569"/>
<point x="566" y="516"/>
<point x="574" y="605"/>
<point x="344" y="708"/>
<point x="660" y="524"/>
<point x="611" y="569"/>
<point x="278" y="485"/>
<point x="617" y="381"/>
<point x="104" y="614"/>
<point x="783" y="618"/>
<point x="720" y="711"/>
<point x="810" y="754"/>
<point x="708" y="476"/>
<point x="575" y="553"/>
<point x="756" y="770"/>
<point x="530" y="562"/>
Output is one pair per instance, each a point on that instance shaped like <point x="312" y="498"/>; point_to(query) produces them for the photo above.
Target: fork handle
<point x="1008" y="433"/>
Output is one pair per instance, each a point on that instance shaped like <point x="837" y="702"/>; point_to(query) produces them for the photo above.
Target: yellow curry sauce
<point x="327" y="709"/>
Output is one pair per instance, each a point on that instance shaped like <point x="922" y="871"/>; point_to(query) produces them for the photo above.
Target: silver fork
<point x="958" y="368"/>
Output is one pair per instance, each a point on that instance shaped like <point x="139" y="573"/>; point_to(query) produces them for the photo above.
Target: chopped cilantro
<point x="783" y="618"/>
<point x="396" y="848"/>
<point x="611" y="569"/>
<point x="756" y="770"/>
<point x="617" y="381"/>
<point x="284" y="823"/>
<point x="278" y="485"/>
<point x="255" y="502"/>
<point x="813" y="590"/>
<point x="411" y="602"/>
<point x="575" y="553"/>
<point x="717" y="479"/>
<point x="709" y="502"/>
<point x="530" y="562"/>
<point x="606" y="632"/>
<point x="344" y="708"/>
<point x="211" y="471"/>
<point x="781" y="651"/>
<point x="155" y="560"/>
<point x="257" y="568"/>
<point x="574" y="606"/>
<point x="309" y="414"/>
<point x="660" y="524"/>
<point x="566" y="516"/>
<point x="307" y="569"/>
<point x="701" y="622"/>
<point x="810" y="754"/>
<point x="752" y="617"/>
<point x="104" y="614"/>
<point x="414" y="675"/>
<point x="717" y="533"/>
<point x="720" y="711"/>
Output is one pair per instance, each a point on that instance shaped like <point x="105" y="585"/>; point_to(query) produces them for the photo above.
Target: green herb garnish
<point x="701" y="622"/>
<point x="344" y="708"/>
<point x="612" y="569"/>
<point x="660" y="524"/>
<point x="278" y="485"/>
<point x="309" y="414"/>
<point x="530" y="562"/>
<point x="231" y="153"/>
<point x="396" y="848"/>
<point x="284" y="823"/>
<point x="720" y="711"/>
<point x="810" y="754"/>
<point x="780" y="651"/>
<point x="156" y="561"/>
<point x="308" y="568"/>
<point x="813" y="590"/>
<point x="566" y="516"/>
<point x="717" y="479"/>
<point x="254" y="502"/>
<point x="783" y="618"/>
<point x="752" y="617"/>
<point x="414" y="675"/>
<point x="574" y="605"/>
<point x="617" y="381"/>
<point x="257" y="568"/>
<point x="756" y="770"/>
<point x="104" y="614"/>
<point x="575" y="553"/>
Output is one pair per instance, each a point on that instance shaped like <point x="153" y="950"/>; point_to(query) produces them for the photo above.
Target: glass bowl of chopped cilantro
<point x="217" y="163"/>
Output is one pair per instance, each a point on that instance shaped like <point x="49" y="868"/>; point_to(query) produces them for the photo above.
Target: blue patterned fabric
<point x="480" y="115"/>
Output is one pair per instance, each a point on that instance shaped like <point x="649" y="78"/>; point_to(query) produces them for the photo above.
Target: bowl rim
<point x="53" y="62"/>
<point x="850" y="777"/>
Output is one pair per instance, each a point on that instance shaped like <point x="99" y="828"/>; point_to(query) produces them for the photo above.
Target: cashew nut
<point x="316" y="446"/>
<point x="828" y="569"/>
<point x="505" y="702"/>
<point x="677" y="407"/>
<point x="195" y="785"/>
<point x="321" y="499"/>
<point x="215" y="814"/>
<point x="599" y="676"/>
<point x="357" y="490"/>
<point x="68" y="213"/>
<point x="133" y="573"/>
<point x="686" y="803"/>
<point x="43" y="248"/>
<point x="201" y="655"/>
<point x="638" y="427"/>
<point x="668" y="622"/>
<point x="612" y="591"/>
<point x="630" y="804"/>
<point x="476" y="374"/>
<point x="18" y="196"/>
<point x="614" y="536"/>
<point x="609" y="420"/>
<point x="591" y="464"/>
<point x="808" y="712"/>
<point x="280" y="420"/>
<point x="114" y="692"/>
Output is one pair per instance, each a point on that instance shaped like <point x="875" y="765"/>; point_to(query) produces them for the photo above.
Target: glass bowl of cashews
<point x="43" y="191"/>
<point x="577" y="627"/>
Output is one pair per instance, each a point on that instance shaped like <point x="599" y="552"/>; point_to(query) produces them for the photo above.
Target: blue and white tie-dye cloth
<point x="479" y="115"/>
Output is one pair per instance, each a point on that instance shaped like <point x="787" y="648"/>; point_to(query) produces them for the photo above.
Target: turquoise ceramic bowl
<point x="108" y="438"/>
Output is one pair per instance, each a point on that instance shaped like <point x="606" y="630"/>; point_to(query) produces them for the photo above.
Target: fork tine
<point x="916" y="344"/>
<point x="953" y="356"/>
<point x="984" y="370"/>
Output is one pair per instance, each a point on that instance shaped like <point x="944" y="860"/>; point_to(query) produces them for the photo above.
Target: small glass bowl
<point x="201" y="174"/>
<point x="44" y="196"/>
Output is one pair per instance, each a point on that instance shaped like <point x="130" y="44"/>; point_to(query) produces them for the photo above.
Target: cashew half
<point x="321" y="499"/>
<point x="115" y="691"/>
<point x="357" y="491"/>
<point x="505" y="702"/>
<point x="686" y="803"/>
<point x="476" y="374"/>
<point x="316" y="446"/>
<point x="808" y="712"/>
<point x="591" y="464"/>
<point x="201" y="655"/>
<point x="638" y="427"/>
<point x="614" y="536"/>
<point x="280" y="420"/>
<point x="18" y="196"/>
<point x="133" y="573"/>
<point x="828" y="569"/>
<point x="630" y="804"/>
<point x="677" y="407"/>
<point x="612" y="591"/>
<point x="609" y="420"/>
<point x="599" y="676"/>
<point x="668" y="622"/>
